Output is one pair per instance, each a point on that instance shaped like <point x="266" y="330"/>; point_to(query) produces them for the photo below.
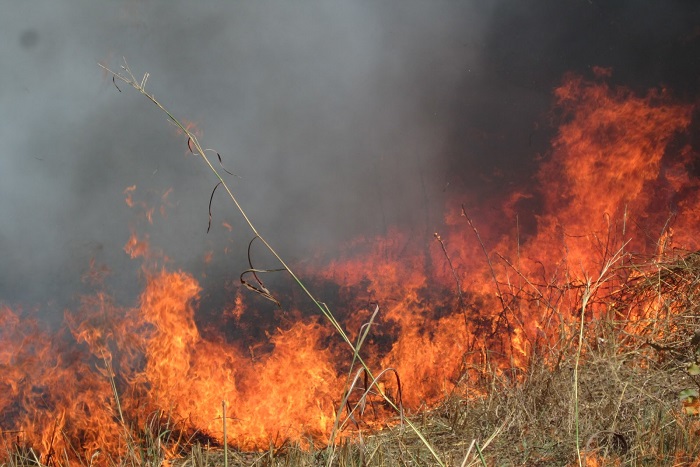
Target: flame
<point x="135" y="247"/>
<point x="607" y="169"/>
<point x="128" y="191"/>
<point x="448" y="308"/>
<point x="192" y="376"/>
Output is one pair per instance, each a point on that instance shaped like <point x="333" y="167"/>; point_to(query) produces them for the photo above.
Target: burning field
<point x="461" y="234"/>
<point x="591" y="265"/>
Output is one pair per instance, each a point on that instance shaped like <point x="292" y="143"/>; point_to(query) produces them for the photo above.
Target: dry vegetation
<point x="636" y="388"/>
<point x="618" y="384"/>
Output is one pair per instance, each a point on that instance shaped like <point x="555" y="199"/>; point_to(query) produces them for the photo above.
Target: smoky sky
<point x="343" y="119"/>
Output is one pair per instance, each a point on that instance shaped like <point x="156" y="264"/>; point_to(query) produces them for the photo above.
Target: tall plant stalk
<point x="589" y="291"/>
<point x="126" y="76"/>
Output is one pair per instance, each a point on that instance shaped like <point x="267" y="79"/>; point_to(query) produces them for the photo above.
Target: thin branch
<point x="194" y="145"/>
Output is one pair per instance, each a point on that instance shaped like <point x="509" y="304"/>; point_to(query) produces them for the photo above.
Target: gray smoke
<point x="343" y="118"/>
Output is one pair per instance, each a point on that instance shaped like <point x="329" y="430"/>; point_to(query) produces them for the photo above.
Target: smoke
<point x="343" y="119"/>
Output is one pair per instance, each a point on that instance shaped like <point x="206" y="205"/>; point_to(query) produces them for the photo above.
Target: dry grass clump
<point x="628" y="412"/>
<point x="636" y="363"/>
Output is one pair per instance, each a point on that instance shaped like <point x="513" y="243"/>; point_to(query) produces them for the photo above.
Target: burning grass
<point x="635" y="363"/>
<point x="482" y="351"/>
<point x="633" y="371"/>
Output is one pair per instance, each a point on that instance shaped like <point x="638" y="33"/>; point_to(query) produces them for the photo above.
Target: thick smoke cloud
<point x="342" y="118"/>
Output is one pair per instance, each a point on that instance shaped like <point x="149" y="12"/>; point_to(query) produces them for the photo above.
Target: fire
<point x="286" y="393"/>
<point x="615" y="181"/>
<point x="135" y="247"/>
<point x="51" y="394"/>
<point x="605" y="180"/>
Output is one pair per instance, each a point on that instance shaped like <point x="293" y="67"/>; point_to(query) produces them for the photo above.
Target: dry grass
<point x="632" y="370"/>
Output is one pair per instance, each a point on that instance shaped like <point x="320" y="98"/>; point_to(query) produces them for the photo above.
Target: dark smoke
<point x="343" y="119"/>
